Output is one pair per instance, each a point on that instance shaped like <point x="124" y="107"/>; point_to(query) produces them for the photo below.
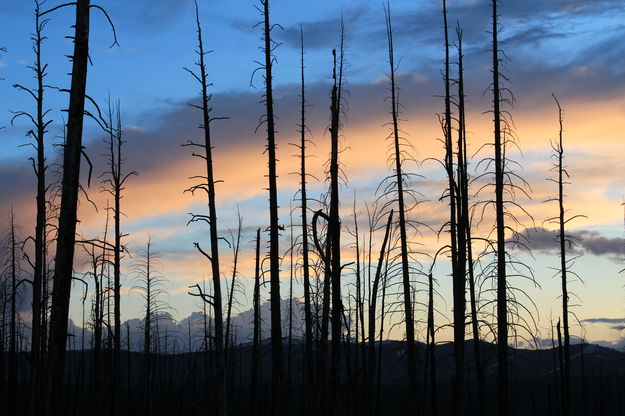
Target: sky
<point x="571" y="48"/>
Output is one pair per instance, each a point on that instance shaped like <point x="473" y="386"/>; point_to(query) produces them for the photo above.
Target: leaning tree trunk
<point x="66" y="233"/>
<point x="372" y="313"/>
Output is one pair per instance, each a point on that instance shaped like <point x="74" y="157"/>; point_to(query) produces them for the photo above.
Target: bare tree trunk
<point x="561" y="366"/>
<point x="466" y="226"/>
<point x="502" y="306"/>
<point x="401" y="209"/>
<point x="289" y="355"/>
<point x="220" y="393"/>
<point x="335" y="231"/>
<point x="256" y="346"/>
<point x="458" y="245"/>
<point x="308" y="355"/>
<point x="117" y="268"/>
<point x="67" y="217"/>
<point x="116" y="181"/>
<point x="277" y="399"/>
<point x="566" y="379"/>
<point x="432" y="346"/>
<point x="372" y="312"/>
<point x="12" y="374"/>
<point x="321" y="383"/>
<point x="235" y="246"/>
<point x="40" y="170"/>
<point x="360" y="321"/>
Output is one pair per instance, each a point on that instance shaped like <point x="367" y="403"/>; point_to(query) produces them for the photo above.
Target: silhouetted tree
<point x="114" y="180"/>
<point x="268" y="47"/>
<point x="502" y="296"/>
<point x="334" y="226"/>
<point x="411" y="361"/>
<point x="564" y="240"/>
<point x="308" y="355"/>
<point x="372" y="309"/>
<point x="457" y="234"/>
<point x="208" y="185"/>
<point x="236" y="242"/>
<point x="67" y="218"/>
<point x="256" y="356"/>
<point x="465" y="225"/>
<point x="37" y="133"/>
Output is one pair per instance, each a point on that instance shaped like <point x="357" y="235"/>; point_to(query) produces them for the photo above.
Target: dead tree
<point x="37" y="133"/>
<point x="401" y="210"/>
<point x="502" y="304"/>
<point x="431" y="348"/>
<point x="457" y="236"/>
<point x="236" y="242"/>
<point x="114" y="180"/>
<point x="67" y="218"/>
<point x="372" y="309"/>
<point x="334" y="226"/>
<point x="256" y="356"/>
<point x="566" y="362"/>
<point x="308" y="354"/>
<point x="208" y="185"/>
<point x="465" y="226"/>
<point x="12" y="270"/>
<point x="277" y="400"/>
<point x="149" y="283"/>
<point x="564" y="240"/>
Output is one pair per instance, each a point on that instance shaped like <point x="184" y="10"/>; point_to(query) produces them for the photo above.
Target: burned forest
<point x="312" y="208"/>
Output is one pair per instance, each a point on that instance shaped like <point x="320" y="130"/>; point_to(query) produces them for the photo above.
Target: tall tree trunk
<point x="308" y="355"/>
<point x="457" y="234"/>
<point x="38" y="277"/>
<point x="401" y="209"/>
<point x="117" y="271"/>
<point x="502" y="307"/>
<point x="566" y="379"/>
<point x="289" y="355"/>
<point x="220" y="393"/>
<point x="274" y="227"/>
<point x="64" y="259"/>
<point x="335" y="230"/>
<point x="466" y="227"/>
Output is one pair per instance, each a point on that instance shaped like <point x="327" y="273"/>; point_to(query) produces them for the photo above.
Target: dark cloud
<point x="321" y="34"/>
<point x="325" y="33"/>
<point x="604" y="320"/>
<point x="148" y="14"/>
<point x="582" y="241"/>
